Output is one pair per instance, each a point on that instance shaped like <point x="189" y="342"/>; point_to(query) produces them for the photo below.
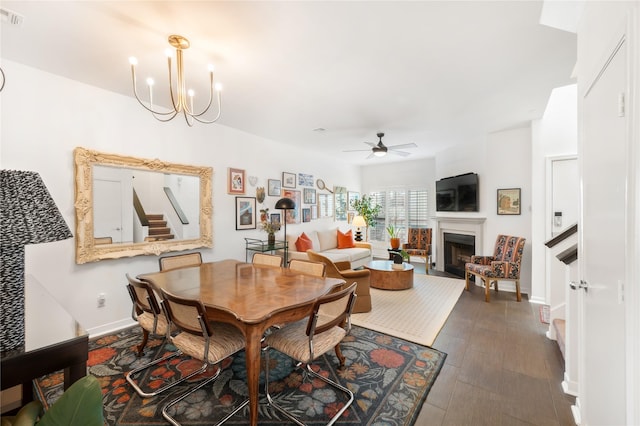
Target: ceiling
<point x="435" y="73"/>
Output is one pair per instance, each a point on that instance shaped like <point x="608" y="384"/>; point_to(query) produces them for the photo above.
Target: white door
<point x="603" y="165"/>
<point x="107" y="209"/>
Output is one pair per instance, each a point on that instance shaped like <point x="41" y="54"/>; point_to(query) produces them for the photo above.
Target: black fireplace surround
<point x="458" y="249"/>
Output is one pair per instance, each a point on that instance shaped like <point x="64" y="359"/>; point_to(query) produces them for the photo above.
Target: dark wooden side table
<point x="53" y="341"/>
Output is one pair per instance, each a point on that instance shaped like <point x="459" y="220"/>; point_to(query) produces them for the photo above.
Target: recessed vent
<point x="11" y="17"/>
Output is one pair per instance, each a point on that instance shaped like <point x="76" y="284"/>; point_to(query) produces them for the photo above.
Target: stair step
<point x="155" y="216"/>
<point x="159" y="231"/>
<point x="559" y="326"/>
<point x="153" y="223"/>
<point x="159" y="237"/>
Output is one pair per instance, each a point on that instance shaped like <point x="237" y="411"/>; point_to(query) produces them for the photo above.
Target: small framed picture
<point x="245" y="213"/>
<point x="309" y="196"/>
<point x="306" y="215"/>
<point x="509" y="201"/>
<point x="288" y="180"/>
<point x="235" y="181"/>
<point x="273" y="187"/>
<point x="275" y="220"/>
<point x="305" y="179"/>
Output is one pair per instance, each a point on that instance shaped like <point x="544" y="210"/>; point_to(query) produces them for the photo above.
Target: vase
<point x="271" y="239"/>
<point x="395" y="243"/>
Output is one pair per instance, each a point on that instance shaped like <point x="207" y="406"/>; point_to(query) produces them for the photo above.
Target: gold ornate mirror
<point x="127" y="206"/>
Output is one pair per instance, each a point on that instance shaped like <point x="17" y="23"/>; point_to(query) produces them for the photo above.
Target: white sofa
<point x="326" y="242"/>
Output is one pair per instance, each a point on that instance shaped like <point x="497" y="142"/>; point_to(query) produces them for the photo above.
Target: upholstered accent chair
<point x="504" y="265"/>
<point x="419" y="243"/>
<point x="343" y="271"/>
<point x="180" y="261"/>
<point x="307" y="339"/>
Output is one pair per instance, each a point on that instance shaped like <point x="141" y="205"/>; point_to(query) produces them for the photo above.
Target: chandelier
<point x="181" y="98"/>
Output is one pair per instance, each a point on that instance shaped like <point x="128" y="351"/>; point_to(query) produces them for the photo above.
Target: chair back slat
<point x="180" y="261"/>
<point x="267" y="259"/>
<point x="332" y="310"/>
<point x="143" y="297"/>
<point x="186" y="313"/>
<point x="317" y="269"/>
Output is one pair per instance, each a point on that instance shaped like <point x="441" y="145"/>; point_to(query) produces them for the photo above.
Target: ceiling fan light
<point x="379" y="153"/>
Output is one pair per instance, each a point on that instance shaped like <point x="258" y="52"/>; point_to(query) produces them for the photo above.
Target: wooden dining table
<point x="249" y="296"/>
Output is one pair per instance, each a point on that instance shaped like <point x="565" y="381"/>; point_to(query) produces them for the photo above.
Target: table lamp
<point x="285" y="204"/>
<point x="29" y="216"/>
<point x="358" y="222"/>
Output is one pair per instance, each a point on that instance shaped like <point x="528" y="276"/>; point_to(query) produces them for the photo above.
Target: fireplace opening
<point x="458" y="249"/>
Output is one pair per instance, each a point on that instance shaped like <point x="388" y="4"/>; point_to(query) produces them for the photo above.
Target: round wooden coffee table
<point x="384" y="277"/>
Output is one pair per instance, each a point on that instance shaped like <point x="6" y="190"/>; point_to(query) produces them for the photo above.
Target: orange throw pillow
<point x="345" y="240"/>
<point x="303" y="243"/>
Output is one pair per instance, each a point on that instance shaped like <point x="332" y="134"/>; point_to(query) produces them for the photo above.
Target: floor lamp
<point x="285" y="204"/>
<point x="29" y="216"/>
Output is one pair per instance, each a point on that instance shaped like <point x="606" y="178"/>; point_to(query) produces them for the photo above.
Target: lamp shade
<point x="28" y="216"/>
<point x="359" y="221"/>
<point x="285" y="204"/>
<point x="28" y="213"/>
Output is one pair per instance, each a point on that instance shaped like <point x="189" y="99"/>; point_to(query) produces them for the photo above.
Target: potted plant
<point x="394" y="240"/>
<point x="269" y="227"/>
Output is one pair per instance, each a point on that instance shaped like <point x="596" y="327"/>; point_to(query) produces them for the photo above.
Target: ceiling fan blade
<point x="371" y="144"/>
<point x="356" y="150"/>
<point x="403" y="146"/>
<point x="400" y="153"/>
<point x="370" y="155"/>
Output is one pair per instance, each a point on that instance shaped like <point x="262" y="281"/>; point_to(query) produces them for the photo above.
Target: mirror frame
<point x="88" y="251"/>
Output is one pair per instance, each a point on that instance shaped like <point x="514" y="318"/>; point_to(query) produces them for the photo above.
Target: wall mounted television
<point x="458" y="193"/>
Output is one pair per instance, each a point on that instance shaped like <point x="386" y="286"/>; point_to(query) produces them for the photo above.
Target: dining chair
<point x="316" y="269"/>
<point x="168" y="263"/>
<point x="308" y="339"/>
<point x="266" y="259"/>
<point x="208" y="341"/>
<point x="147" y="311"/>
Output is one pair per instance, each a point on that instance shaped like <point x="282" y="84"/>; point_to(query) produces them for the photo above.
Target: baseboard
<point x="110" y="328"/>
<point x="575" y="410"/>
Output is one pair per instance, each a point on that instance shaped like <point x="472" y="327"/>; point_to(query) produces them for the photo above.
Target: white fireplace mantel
<point x="465" y="225"/>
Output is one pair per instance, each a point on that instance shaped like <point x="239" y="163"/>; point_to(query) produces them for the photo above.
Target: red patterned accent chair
<point x="503" y="265"/>
<point x="419" y="243"/>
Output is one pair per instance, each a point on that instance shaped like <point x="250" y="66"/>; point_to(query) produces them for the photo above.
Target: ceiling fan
<point x="380" y="149"/>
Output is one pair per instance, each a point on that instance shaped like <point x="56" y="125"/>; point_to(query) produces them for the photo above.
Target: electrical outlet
<point x="102" y="300"/>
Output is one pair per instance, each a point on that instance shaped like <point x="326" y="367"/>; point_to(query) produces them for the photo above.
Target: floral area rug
<point x="389" y="377"/>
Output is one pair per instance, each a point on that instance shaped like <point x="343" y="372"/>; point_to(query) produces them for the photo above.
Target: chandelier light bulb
<point x="133" y="61"/>
<point x="150" y="82"/>
<point x="218" y="87"/>
<point x="168" y="52"/>
<point x="210" y="67"/>
<point x="190" y="92"/>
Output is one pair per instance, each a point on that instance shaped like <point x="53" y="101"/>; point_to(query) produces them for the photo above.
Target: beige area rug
<point x="416" y="314"/>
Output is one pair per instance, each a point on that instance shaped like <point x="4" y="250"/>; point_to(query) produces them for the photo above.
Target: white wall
<point x="49" y="116"/>
<point x="502" y="160"/>
<point x="554" y="135"/>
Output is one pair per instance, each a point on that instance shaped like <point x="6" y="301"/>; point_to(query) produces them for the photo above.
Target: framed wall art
<point x="245" y="213"/>
<point x="288" y="180"/>
<point x="292" y="216"/>
<point x="509" y="201"/>
<point x="305" y="179"/>
<point x="275" y="220"/>
<point x="351" y="198"/>
<point x="309" y="196"/>
<point x="235" y="183"/>
<point x="274" y="187"/>
<point x="306" y="215"/>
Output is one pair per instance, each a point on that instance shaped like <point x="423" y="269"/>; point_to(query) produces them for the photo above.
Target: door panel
<point x="602" y="247"/>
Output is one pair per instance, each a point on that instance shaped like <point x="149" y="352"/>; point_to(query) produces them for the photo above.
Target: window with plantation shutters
<point x="402" y="208"/>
